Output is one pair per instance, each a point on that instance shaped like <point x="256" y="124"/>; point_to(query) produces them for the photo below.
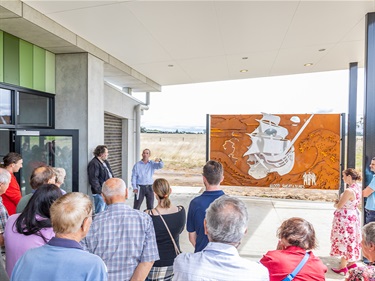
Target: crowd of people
<point x="49" y="233"/>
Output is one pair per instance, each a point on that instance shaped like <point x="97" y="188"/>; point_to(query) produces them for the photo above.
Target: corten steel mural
<point x="278" y="150"/>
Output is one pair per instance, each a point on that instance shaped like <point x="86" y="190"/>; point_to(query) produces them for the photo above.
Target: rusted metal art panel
<point x="278" y="150"/>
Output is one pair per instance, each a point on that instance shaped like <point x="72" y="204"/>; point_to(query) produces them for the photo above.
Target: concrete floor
<point x="266" y="215"/>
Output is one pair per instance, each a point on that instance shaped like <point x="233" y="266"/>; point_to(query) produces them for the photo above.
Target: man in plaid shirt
<point x="123" y="237"/>
<point x="4" y="183"/>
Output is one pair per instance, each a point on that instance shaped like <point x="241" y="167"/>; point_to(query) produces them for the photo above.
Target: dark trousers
<point x="144" y="191"/>
<point x="369" y="216"/>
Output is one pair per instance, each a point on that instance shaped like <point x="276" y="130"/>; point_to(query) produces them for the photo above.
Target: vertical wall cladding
<point x="113" y="140"/>
<point x="50" y="72"/>
<point x="24" y="64"/>
<point x="39" y="69"/>
<point x="1" y="56"/>
<point x="11" y="60"/>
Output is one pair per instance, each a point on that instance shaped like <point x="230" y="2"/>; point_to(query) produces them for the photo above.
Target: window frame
<point x="15" y="91"/>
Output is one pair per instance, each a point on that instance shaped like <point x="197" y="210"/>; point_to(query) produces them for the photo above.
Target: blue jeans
<point x="99" y="203"/>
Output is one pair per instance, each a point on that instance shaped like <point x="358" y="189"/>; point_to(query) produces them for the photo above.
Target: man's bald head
<point x="114" y="189"/>
<point x="42" y="175"/>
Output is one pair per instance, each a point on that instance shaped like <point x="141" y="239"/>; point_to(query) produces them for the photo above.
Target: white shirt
<point x="216" y="262"/>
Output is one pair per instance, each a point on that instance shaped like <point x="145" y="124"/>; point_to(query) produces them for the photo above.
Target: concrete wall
<point x="82" y="97"/>
<point x="79" y="104"/>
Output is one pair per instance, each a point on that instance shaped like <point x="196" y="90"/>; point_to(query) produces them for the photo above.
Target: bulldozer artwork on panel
<point x="278" y="150"/>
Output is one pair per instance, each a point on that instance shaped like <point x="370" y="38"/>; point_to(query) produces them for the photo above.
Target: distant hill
<point x="173" y="130"/>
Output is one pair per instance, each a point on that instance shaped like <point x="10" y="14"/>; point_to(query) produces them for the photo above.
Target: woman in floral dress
<point x="366" y="273"/>
<point x="346" y="225"/>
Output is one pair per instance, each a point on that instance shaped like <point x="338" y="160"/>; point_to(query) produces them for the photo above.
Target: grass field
<point x="188" y="151"/>
<point x="179" y="151"/>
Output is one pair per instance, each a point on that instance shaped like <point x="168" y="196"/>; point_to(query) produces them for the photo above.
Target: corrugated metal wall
<point x="113" y="140"/>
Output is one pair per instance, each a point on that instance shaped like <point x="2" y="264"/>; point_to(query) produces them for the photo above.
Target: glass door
<point x="56" y="148"/>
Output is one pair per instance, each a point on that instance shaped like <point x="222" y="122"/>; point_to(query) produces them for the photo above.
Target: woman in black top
<point x="175" y="218"/>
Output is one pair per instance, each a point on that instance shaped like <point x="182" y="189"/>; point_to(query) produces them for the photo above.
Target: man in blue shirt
<point x="213" y="175"/>
<point x="142" y="180"/>
<point x="370" y="194"/>
<point x="63" y="258"/>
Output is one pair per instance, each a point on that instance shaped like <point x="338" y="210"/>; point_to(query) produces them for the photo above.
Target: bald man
<point x="121" y="233"/>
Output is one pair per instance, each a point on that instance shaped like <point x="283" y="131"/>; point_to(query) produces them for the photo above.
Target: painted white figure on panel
<point x="270" y="150"/>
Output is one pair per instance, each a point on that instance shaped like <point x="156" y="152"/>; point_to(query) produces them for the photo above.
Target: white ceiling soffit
<point x="179" y="42"/>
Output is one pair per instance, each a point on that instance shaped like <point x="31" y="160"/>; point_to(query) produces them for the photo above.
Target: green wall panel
<point x="1" y="56"/>
<point x="50" y="72"/>
<point x="26" y="64"/>
<point x="11" y="59"/>
<point x="39" y="69"/>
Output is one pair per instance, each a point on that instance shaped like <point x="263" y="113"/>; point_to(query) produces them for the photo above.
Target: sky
<point x="183" y="106"/>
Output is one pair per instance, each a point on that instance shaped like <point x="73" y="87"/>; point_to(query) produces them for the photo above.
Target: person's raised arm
<point x="141" y="271"/>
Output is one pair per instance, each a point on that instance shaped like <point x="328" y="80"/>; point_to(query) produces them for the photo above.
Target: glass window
<point x="33" y="110"/>
<point x="55" y="151"/>
<point x="5" y="106"/>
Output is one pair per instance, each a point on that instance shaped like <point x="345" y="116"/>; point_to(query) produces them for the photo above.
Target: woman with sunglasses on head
<point x="32" y="228"/>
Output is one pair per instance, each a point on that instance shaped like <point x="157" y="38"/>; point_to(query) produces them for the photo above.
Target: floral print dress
<point x="346" y="229"/>
<point x="365" y="273"/>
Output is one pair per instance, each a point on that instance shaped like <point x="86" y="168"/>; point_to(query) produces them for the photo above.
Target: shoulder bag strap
<point x="298" y="268"/>
<point x="170" y="234"/>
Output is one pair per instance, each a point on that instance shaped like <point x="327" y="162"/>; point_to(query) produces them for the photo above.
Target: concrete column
<point x="352" y="115"/>
<point x="79" y="104"/>
<point x="369" y="101"/>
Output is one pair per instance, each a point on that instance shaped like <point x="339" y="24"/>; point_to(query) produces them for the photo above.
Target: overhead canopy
<point x="179" y="42"/>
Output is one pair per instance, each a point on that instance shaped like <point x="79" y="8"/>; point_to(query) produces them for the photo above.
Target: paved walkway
<point x="266" y="215"/>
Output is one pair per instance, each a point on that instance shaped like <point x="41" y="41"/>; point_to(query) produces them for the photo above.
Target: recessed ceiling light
<point x="321" y="50"/>
<point x="170" y="65"/>
<point x="244" y="58"/>
<point x="308" y="64"/>
<point x="243" y="70"/>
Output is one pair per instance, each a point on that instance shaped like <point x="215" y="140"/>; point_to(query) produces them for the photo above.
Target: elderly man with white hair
<point x="123" y="237"/>
<point x="225" y="225"/>
<point x="5" y="178"/>
<point x="63" y="258"/>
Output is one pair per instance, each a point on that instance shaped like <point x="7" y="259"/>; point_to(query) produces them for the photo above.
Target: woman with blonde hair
<point x="169" y="221"/>
<point x="346" y="225"/>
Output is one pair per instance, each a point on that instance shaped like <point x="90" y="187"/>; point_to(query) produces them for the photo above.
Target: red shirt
<point x="12" y="196"/>
<point x="280" y="263"/>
